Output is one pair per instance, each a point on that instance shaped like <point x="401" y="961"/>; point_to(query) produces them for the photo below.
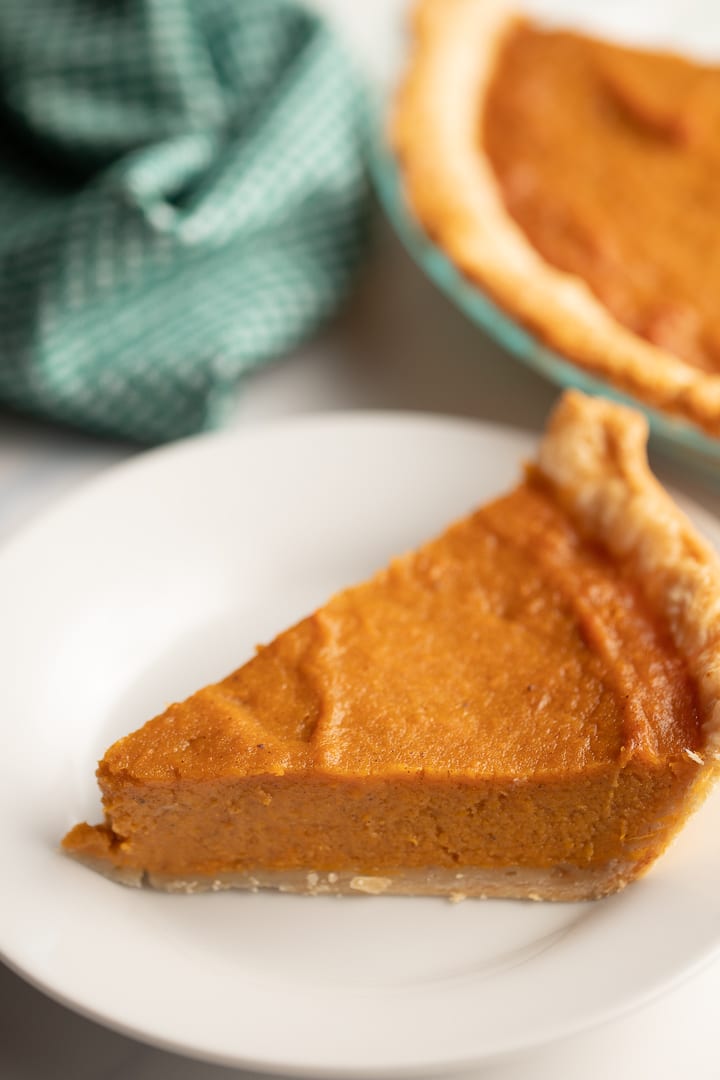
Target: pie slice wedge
<point x="577" y="182"/>
<point x="526" y="706"/>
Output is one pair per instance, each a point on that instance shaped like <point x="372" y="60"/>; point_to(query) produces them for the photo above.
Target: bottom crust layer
<point x="560" y="883"/>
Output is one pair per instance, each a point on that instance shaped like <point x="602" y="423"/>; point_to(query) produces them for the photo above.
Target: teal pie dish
<point x="673" y="438"/>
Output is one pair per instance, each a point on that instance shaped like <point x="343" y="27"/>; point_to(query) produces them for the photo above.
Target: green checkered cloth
<point x="182" y="197"/>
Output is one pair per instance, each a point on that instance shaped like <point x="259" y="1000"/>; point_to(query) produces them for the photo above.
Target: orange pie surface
<point x="505" y="711"/>
<point x="609" y="159"/>
<point x="576" y="183"/>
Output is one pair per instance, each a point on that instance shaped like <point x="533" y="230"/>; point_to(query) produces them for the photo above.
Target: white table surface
<point x="397" y="345"/>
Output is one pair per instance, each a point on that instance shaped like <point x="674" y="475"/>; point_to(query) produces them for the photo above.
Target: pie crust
<point x="196" y="770"/>
<point x="558" y="883"/>
<point x="452" y="189"/>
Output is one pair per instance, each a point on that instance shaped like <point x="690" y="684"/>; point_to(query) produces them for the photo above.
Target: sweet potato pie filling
<point x="609" y="159"/>
<point x="504" y="696"/>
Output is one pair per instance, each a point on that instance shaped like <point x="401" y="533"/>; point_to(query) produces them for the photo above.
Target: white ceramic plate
<point x="162" y="576"/>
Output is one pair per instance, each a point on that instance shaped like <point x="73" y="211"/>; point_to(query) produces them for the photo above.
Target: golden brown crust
<point x="593" y="454"/>
<point x="453" y="190"/>
<point x="510" y="882"/>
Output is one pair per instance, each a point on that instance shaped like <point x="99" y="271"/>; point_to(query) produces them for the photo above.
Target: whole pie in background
<point x="578" y="183"/>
